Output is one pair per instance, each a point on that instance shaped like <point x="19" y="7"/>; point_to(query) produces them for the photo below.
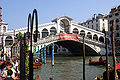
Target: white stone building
<point x="98" y="23"/>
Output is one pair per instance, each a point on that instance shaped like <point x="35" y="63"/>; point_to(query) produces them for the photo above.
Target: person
<point x="9" y="73"/>
<point x="101" y="59"/>
<point x="90" y="60"/>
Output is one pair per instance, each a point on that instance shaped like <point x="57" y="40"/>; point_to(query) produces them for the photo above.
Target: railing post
<point x="53" y="54"/>
<point x="83" y="57"/>
<point x="45" y="53"/>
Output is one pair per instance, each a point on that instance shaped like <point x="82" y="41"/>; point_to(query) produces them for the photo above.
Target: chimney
<point x="94" y="16"/>
<point x="0" y="16"/>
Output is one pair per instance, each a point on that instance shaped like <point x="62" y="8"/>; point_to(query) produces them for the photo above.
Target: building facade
<point x="98" y="23"/>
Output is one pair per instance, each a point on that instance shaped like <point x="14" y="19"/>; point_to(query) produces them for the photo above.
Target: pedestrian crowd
<point x="9" y="68"/>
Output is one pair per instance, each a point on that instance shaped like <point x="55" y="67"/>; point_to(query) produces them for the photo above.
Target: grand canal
<point x="70" y="68"/>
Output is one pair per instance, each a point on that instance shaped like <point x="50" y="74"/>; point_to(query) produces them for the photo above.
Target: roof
<point x="62" y="17"/>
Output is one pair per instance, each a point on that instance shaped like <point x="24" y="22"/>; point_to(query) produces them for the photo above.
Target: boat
<point x="36" y="62"/>
<point x="97" y="62"/>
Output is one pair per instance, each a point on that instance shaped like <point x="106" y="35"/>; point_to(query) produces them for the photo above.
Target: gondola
<point x="97" y="62"/>
<point x="36" y="62"/>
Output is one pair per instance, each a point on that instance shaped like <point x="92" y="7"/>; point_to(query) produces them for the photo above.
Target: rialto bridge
<point x="71" y="32"/>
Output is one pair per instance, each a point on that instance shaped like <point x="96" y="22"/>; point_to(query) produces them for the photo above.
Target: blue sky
<point x="15" y="12"/>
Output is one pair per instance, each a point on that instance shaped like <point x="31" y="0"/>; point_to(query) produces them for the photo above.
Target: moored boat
<point x="36" y="62"/>
<point x="97" y="62"/>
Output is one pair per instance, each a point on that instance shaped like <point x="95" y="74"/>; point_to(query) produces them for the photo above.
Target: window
<point x="4" y="29"/>
<point x="88" y="22"/>
<point x="88" y="26"/>
<point x="96" y="27"/>
<point x="103" y="19"/>
<point x="110" y="21"/>
<point x="117" y="27"/>
<point x="110" y="16"/>
<point x="117" y="35"/>
<point x="92" y="26"/>
<point x="92" y="21"/>
<point x="111" y="28"/>
<point x="103" y="26"/>
<point x="116" y="14"/>
<point x="117" y="20"/>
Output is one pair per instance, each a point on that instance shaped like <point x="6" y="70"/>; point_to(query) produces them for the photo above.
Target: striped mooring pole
<point x="38" y="52"/>
<point x="44" y="53"/>
<point x="53" y="54"/>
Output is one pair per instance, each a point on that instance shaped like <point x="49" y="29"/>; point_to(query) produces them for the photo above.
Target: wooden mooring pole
<point x="83" y="57"/>
<point x="106" y="46"/>
<point x="113" y="49"/>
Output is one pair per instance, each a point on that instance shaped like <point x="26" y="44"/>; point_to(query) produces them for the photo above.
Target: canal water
<point x="70" y="68"/>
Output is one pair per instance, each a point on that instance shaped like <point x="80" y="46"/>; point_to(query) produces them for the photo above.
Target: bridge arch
<point x="89" y="35"/>
<point x="82" y="33"/>
<point x="78" y="47"/>
<point x="45" y="33"/>
<point x="38" y="34"/>
<point x="53" y="31"/>
<point x="75" y="31"/>
<point x="8" y="41"/>
<point x="101" y="39"/>
<point x="95" y="37"/>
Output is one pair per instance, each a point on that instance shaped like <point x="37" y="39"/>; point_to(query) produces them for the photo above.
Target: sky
<point x="15" y="12"/>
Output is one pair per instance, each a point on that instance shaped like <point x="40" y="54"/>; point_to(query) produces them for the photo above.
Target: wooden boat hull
<point x="97" y="63"/>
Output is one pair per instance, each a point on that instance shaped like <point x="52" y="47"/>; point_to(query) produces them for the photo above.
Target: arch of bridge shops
<point x="8" y="41"/>
<point x="75" y="48"/>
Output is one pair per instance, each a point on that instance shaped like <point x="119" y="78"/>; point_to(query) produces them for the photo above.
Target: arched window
<point x="101" y="39"/>
<point x="53" y="31"/>
<point x="89" y="35"/>
<point x="38" y="34"/>
<point x="8" y="40"/>
<point x="95" y="37"/>
<point x="82" y="33"/>
<point x="75" y="31"/>
<point x="44" y="33"/>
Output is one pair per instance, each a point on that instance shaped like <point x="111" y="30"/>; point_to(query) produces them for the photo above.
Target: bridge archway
<point x="45" y="33"/>
<point x="8" y="41"/>
<point x="89" y="35"/>
<point x="95" y="37"/>
<point x="101" y="39"/>
<point x="77" y="49"/>
<point x="75" y="31"/>
<point x="53" y="31"/>
<point x="64" y="23"/>
<point x="82" y="33"/>
<point x="38" y="34"/>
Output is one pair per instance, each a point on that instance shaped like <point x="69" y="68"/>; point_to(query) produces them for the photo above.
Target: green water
<point x="70" y="68"/>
